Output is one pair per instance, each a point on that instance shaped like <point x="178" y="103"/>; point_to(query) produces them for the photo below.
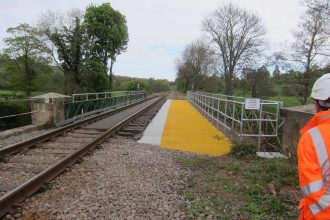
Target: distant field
<point x="289" y="101"/>
<point x="173" y="87"/>
<point x="15" y="94"/>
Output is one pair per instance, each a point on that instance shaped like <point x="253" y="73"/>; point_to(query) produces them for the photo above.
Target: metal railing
<point x="231" y="113"/>
<point x="15" y="113"/>
<point x="103" y="95"/>
<point x="85" y="104"/>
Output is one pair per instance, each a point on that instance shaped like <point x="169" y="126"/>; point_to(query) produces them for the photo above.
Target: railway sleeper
<point x="33" y="170"/>
<point x="133" y="130"/>
<point x="125" y="134"/>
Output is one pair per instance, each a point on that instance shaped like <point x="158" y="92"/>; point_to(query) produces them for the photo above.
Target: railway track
<point x="28" y="166"/>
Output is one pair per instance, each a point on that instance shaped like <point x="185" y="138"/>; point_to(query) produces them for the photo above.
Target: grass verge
<point x="241" y="188"/>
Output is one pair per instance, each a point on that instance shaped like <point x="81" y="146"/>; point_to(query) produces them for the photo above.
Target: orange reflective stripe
<point x="321" y="153"/>
<point x="322" y="204"/>
<point x="312" y="187"/>
<point x="323" y="117"/>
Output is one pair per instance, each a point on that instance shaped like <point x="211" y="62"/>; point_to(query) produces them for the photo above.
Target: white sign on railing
<point x="252" y="104"/>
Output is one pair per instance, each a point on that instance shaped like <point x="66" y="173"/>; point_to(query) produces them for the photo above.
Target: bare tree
<point x="309" y="46"/>
<point x="323" y="6"/>
<point x="239" y="35"/>
<point x="197" y="63"/>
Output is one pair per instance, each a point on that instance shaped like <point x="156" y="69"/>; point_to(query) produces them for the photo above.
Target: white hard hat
<point x="321" y="88"/>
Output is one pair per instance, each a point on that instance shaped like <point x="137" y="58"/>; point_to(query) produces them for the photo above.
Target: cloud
<point x="159" y="29"/>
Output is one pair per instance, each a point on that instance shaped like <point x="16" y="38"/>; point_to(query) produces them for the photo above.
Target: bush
<point x="244" y="150"/>
<point x="11" y="108"/>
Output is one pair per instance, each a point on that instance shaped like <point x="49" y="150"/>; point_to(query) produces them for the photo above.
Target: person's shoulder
<point x="325" y="127"/>
<point x="306" y="137"/>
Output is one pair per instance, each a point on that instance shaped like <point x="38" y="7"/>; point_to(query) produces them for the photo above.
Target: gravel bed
<point x="23" y="137"/>
<point x="40" y="160"/>
<point x="122" y="180"/>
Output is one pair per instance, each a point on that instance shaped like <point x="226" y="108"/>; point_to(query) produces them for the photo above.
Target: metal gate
<point x="231" y="113"/>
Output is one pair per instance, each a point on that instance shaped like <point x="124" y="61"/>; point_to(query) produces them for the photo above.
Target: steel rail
<point x="14" y="148"/>
<point x="31" y="186"/>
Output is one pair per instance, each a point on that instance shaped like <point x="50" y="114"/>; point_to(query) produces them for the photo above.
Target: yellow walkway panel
<point x="187" y="130"/>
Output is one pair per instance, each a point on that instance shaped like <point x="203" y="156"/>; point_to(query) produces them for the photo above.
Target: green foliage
<point x="251" y="187"/>
<point x="295" y="84"/>
<point x="11" y="108"/>
<point x="257" y="82"/>
<point x="68" y="40"/>
<point x="94" y="76"/>
<point x="48" y="79"/>
<point x="29" y="56"/>
<point x="196" y="69"/>
<point x="107" y="33"/>
<point x="150" y="85"/>
<point x="244" y="150"/>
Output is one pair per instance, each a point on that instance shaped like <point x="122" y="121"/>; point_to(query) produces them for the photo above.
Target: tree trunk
<point x="306" y="93"/>
<point x="27" y="77"/>
<point x="111" y="73"/>
<point x="228" y="85"/>
<point x="66" y="83"/>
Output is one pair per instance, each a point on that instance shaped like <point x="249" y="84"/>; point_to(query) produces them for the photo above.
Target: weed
<point x="219" y="202"/>
<point x="210" y="175"/>
<point x="194" y="162"/>
<point x="234" y="167"/>
<point x="254" y="209"/>
<point x="189" y="195"/>
<point x="199" y="207"/>
<point x="225" y="216"/>
<point x="250" y="187"/>
<point x="244" y="150"/>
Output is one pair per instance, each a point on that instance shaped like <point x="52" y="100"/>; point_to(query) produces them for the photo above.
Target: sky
<point x="159" y="30"/>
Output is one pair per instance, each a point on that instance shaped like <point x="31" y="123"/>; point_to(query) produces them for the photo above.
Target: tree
<point x="28" y="51"/>
<point x="197" y="64"/>
<point x="239" y="36"/>
<point x="66" y="36"/>
<point x="258" y="81"/>
<point x="310" y="44"/>
<point x="107" y="33"/>
<point x="322" y="6"/>
<point x="94" y="76"/>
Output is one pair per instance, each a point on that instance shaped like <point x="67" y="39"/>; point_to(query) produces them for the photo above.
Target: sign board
<point x="252" y="104"/>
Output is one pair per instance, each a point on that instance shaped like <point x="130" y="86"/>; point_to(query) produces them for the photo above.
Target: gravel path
<point x="122" y="180"/>
<point x="22" y="137"/>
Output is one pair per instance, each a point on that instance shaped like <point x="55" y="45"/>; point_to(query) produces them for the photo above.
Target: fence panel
<point x="85" y="104"/>
<point x="230" y="112"/>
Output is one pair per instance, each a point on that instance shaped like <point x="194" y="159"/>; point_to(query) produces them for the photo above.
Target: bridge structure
<point x="200" y="124"/>
<point x="231" y="113"/>
<point x="84" y="104"/>
<point x="54" y="109"/>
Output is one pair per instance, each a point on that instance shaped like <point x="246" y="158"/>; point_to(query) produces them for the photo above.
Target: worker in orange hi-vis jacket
<point x="314" y="154"/>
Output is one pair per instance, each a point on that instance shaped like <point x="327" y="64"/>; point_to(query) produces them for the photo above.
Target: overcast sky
<point x="159" y="30"/>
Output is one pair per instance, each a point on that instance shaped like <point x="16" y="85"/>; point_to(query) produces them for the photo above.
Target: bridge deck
<point x="109" y="122"/>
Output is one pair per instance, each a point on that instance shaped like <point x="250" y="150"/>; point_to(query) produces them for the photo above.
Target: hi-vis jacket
<point x="313" y="167"/>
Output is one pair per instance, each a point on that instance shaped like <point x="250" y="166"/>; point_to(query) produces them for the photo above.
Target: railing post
<point x="226" y="104"/>
<point x="212" y="107"/>
<point x="242" y="117"/>
<point x="233" y="115"/>
<point x="218" y="110"/>
<point x="260" y="118"/>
